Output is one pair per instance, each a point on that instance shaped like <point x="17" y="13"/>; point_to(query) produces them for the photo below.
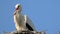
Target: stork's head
<point x="18" y="7"/>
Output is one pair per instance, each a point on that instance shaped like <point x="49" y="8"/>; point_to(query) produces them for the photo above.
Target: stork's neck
<point x="17" y="12"/>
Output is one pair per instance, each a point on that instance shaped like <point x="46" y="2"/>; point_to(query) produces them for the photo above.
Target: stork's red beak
<point x="17" y="8"/>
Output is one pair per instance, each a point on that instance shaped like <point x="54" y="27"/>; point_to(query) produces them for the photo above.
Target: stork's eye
<point x="18" y="6"/>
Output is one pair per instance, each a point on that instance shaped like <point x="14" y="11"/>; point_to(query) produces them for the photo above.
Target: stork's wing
<point x="29" y="27"/>
<point x="29" y="22"/>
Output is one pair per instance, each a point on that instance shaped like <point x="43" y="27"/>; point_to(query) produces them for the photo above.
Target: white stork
<point x="22" y="22"/>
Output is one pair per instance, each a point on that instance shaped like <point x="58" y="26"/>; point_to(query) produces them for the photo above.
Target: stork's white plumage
<point x="22" y="22"/>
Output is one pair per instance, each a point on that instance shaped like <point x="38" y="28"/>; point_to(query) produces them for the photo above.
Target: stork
<point x="22" y="22"/>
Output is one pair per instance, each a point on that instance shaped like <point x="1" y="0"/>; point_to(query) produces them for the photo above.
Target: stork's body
<point x="19" y="22"/>
<point x="22" y="22"/>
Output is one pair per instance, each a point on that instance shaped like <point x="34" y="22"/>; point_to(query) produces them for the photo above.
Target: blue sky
<point x="45" y="14"/>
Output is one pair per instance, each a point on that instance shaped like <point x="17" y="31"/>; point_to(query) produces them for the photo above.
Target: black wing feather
<point x="29" y="27"/>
